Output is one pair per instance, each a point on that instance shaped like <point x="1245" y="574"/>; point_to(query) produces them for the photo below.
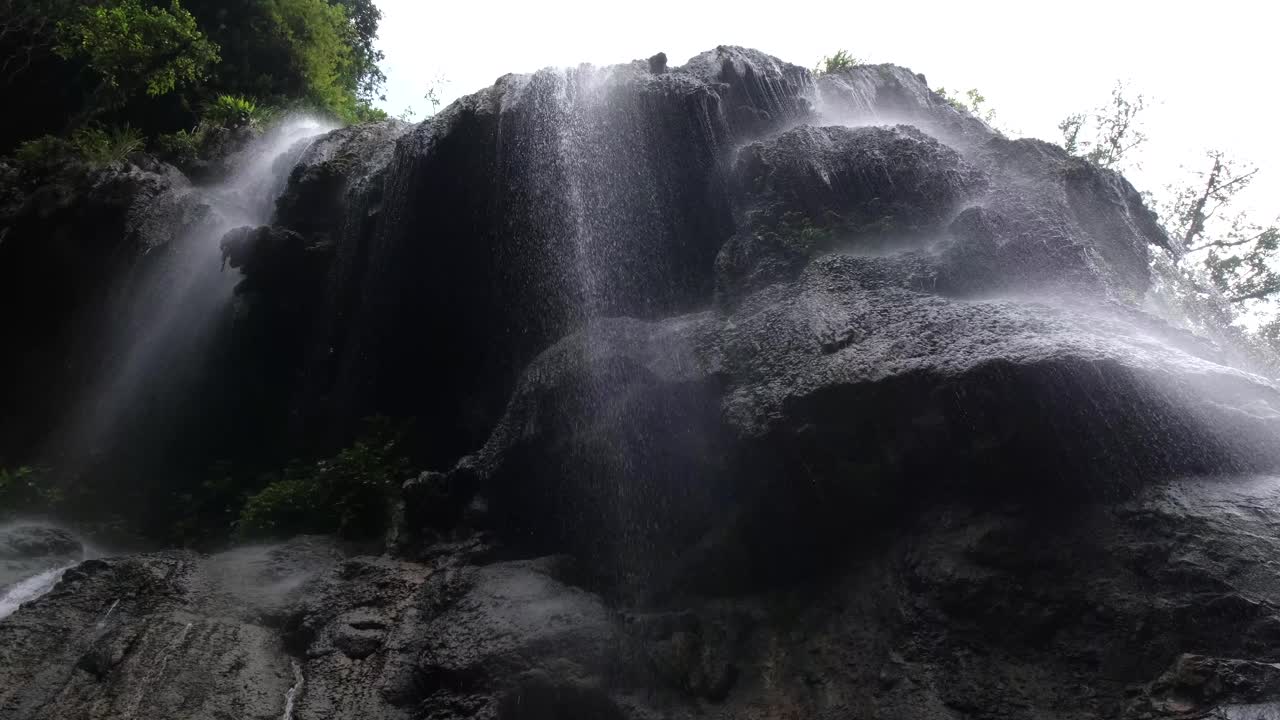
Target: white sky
<point x="1208" y="68"/>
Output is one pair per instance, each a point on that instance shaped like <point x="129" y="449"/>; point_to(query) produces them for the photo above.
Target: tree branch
<point x="1225" y="244"/>
<point x="1259" y="294"/>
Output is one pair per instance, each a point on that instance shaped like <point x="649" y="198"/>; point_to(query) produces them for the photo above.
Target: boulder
<point x="616" y="427"/>
<point x="1050" y="222"/>
<point x="164" y="635"/>
<point x="883" y="94"/>
<point x="811" y="190"/>
<point x="816" y="405"/>
<point x="502" y="222"/>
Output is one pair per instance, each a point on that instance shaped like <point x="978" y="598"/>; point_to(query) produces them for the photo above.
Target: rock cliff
<point x="751" y="394"/>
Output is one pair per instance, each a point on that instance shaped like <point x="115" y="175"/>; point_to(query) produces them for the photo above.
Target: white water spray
<point x="176" y="300"/>
<point x="291" y="697"/>
<point x="31" y="589"/>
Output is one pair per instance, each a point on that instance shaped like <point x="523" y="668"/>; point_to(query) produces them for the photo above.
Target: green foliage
<point x="350" y="494"/>
<point x="231" y="111"/>
<point x="94" y="146"/>
<point x="99" y="147"/>
<point x="973" y="102"/>
<point x="368" y="113"/>
<point x="1239" y="256"/>
<point x="365" y="17"/>
<point x="841" y="60"/>
<point x="27" y="489"/>
<point x="1108" y="135"/>
<point x="135" y="48"/>
<point x="44" y="155"/>
<point x="157" y="64"/>
<point x="181" y="148"/>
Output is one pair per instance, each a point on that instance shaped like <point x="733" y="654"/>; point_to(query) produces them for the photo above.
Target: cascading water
<point x="31" y="589"/>
<point x="173" y="303"/>
<point x="292" y="696"/>
<point x="618" y="238"/>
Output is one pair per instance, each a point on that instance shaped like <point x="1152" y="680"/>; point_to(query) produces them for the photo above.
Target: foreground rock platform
<point x="1162" y="606"/>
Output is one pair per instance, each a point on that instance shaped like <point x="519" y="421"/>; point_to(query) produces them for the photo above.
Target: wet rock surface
<point x="1160" y="606"/>
<point x="813" y="189"/>
<point x="67" y="247"/>
<point x="768" y="417"/>
<point x="1051" y="222"/>
<point x="27" y="550"/>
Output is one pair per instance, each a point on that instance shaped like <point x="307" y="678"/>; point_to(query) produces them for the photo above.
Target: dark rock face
<point x="615" y="430"/>
<point x="830" y="421"/>
<point x="811" y="190"/>
<point x="1051" y="221"/>
<point x="522" y="210"/>
<point x="847" y="369"/>
<point x="66" y="250"/>
<point x="893" y="95"/>
<point x="849" y="392"/>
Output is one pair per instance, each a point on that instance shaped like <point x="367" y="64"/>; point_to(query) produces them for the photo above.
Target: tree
<point x="155" y="65"/>
<point x="285" y="51"/>
<point x="364" y="18"/>
<point x="1110" y="133"/>
<point x="1227" y="271"/>
<point x="28" y="32"/>
<point x="132" y="48"/>
<point x="973" y="103"/>
<point x="1239" y="255"/>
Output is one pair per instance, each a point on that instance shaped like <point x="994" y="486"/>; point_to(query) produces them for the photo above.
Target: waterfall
<point x="291" y="696"/>
<point x="33" y="588"/>
<point x="173" y="301"/>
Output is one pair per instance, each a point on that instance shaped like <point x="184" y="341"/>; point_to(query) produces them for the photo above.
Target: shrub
<point x="181" y="148"/>
<point x="44" y="155"/>
<point x="98" y="146"/>
<point x="368" y="113"/>
<point x="231" y="111"/>
<point x="842" y="60"/>
<point x="91" y="145"/>
<point x="974" y="103"/>
<point x="27" y="489"/>
<point x="350" y="494"/>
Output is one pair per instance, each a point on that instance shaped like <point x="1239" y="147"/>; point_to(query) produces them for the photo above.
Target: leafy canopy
<point x="158" y="65"/>
<point x="134" y="48"/>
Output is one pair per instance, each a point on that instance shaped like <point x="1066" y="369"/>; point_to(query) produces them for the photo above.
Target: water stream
<point x="291" y="697"/>
<point x="175" y="298"/>
<point x="31" y="589"/>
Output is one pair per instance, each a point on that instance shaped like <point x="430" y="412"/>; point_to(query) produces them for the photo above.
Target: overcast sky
<point x="1208" y="68"/>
